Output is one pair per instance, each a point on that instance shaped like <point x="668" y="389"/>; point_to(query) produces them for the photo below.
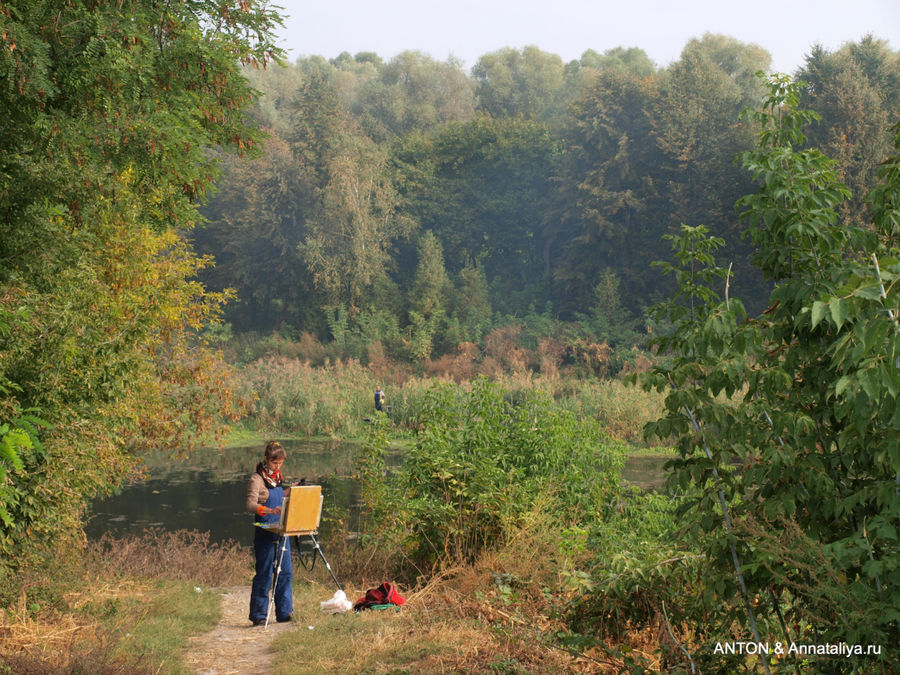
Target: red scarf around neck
<point x="272" y="479"/>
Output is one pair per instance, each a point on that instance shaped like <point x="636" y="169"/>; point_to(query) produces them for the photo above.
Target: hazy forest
<point x="547" y="265"/>
<point x="415" y="206"/>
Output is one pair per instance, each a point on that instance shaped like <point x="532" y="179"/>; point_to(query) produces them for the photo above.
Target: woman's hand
<point x="276" y="510"/>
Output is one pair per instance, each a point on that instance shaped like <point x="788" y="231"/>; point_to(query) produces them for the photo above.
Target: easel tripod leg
<point x="283" y="546"/>
<point x="325" y="560"/>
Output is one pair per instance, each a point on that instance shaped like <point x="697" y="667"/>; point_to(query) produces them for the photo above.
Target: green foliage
<point x="18" y="443"/>
<point x="860" y="76"/>
<point x="480" y="461"/>
<point x="789" y="421"/>
<point x="645" y="573"/>
<point x="350" y="232"/>
<point x="483" y="187"/>
<point x="111" y="112"/>
<point x="413" y="92"/>
<point x="428" y="297"/>
<point x="631" y="59"/>
<point x="520" y="83"/>
<point x="542" y="176"/>
<point x="645" y="154"/>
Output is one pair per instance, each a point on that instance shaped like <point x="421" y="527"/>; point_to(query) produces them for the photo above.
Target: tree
<point x="529" y="83"/>
<point x="633" y="59"/>
<point x="483" y="188"/>
<point x="429" y="296"/>
<point x="606" y="213"/>
<point x="256" y="223"/>
<point x="697" y="125"/>
<point x="110" y="112"/>
<point x="413" y="92"/>
<point x="472" y="314"/>
<point x="349" y="237"/>
<point x="854" y="92"/>
<point x="786" y="424"/>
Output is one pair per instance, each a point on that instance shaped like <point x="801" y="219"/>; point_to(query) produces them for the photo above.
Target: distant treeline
<point x="415" y="205"/>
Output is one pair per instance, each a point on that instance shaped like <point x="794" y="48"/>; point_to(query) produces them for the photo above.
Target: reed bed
<point x="291" y="396"/>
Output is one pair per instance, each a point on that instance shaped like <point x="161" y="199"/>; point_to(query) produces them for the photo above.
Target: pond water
<point x="207" y="491"/>
<point x="645" y="471"/>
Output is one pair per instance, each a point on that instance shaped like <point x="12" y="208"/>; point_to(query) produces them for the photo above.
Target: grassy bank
<point x="288" y="396"/>
<point x="498" y="615"/>
<point x="513" y="609"/>
<point x="120" y="606"/>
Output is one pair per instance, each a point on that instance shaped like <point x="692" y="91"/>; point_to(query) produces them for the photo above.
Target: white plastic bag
<point x="338" y="603"/>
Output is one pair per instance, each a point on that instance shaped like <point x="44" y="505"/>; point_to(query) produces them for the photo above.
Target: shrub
<point x="644" y="577"/>
<point x="479" y="462"/>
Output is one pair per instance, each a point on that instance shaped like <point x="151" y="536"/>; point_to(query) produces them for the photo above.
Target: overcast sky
<point x="467" y="29"/>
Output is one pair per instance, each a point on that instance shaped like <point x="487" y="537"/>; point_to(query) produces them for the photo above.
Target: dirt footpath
<point x="234" y="647"/>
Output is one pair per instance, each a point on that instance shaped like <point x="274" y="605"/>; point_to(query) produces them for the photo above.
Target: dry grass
<point x="175" y="556"/>
<point x="114" y="589"/>
<point x="65" y="642"/>
<point x="427" y="635"/>
<point x="495" y="616"/>
<point x="456" y="622"/>
<point x="498" y="615"/>
<point x="37" y="639"/>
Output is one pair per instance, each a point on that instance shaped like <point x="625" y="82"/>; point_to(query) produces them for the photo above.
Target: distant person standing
<point x="379" y="399"/>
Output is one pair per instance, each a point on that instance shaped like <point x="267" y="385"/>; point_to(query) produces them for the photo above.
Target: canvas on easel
<point x="301" y="512"/>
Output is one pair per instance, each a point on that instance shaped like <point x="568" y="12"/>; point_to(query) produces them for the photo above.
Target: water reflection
<point x="646" y="472"/>
<point x="206" y="492"/>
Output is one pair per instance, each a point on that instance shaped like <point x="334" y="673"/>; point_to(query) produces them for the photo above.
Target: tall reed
<point x="290" y="396"/>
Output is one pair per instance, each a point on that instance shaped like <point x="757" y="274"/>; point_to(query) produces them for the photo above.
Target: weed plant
<point x="643" y="578"/>
<point x="291" y="396"/>
<point x="183" y="555"/>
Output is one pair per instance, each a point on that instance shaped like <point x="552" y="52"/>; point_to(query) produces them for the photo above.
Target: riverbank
<point x="292" y="397"/>
<point x="503" y="602"/>
<point x="205" y="491"/>
<point x="175" y="605"/>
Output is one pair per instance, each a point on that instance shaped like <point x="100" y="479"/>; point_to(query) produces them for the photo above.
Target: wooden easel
<point x="301" y="513"/>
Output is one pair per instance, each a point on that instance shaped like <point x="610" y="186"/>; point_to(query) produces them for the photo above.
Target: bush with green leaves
<point x="480" y="461"/>
<point x="787" y="423"/>
<point x="646" y="577"/>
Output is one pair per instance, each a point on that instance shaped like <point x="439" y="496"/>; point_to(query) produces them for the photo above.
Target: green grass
<point x="241" y="437"/>
<point x="153" y="632"/>
<point x="653" y="451"/>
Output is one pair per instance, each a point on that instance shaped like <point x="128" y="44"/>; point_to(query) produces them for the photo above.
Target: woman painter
<point x="265" y="495"/>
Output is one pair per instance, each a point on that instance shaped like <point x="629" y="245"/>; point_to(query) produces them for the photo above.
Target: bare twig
<point x="675" y="639"/>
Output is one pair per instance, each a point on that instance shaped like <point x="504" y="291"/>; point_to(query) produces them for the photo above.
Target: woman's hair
<point x="274" y="450"/>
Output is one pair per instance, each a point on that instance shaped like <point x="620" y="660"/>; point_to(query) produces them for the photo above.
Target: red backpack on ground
<point x="385" y="594"/>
